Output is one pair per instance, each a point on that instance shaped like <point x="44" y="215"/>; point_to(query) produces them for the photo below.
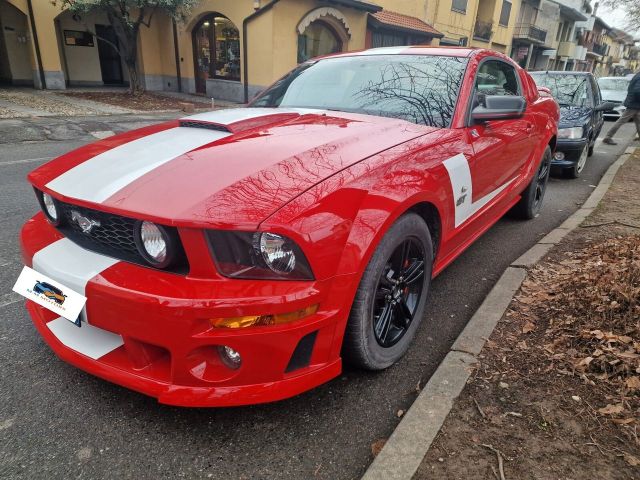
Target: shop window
<point x="216" y="43"/>
<point x="382" y="38"/>
<point x="318" y="39"/>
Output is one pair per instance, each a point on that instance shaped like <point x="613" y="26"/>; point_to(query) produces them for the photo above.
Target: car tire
<point x="530" y="204"/>
<point x="591" y="147"/>
<point x="578" y="167"/>
<point x="366" y="345"/>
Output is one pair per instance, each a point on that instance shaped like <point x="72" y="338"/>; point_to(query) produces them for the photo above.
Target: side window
<point x="497" y="78"/>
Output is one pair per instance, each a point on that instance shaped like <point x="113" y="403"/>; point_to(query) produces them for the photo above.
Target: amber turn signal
<point x="263" y="320"/>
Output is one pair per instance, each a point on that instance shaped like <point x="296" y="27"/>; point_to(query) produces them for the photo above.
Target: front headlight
<point x="155" y="244"/>
<point x="572" y="133"/>
<point x="49" y="207"/>
<point x="258" y="255"/>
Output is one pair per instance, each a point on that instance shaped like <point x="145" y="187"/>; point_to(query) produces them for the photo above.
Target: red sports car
<point x="238" y="256"/>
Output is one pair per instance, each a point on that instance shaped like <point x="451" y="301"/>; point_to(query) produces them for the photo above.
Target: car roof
<point x="560" y="72"/>
<point x="413" y="50"/>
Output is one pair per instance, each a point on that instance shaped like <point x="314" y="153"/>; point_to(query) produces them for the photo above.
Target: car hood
<point x="573" y="116"/>
<point x="613" y="95"/>
<point x="230" y="167"/>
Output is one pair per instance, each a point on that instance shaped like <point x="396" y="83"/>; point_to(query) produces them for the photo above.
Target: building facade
<point x="231" y="49"/>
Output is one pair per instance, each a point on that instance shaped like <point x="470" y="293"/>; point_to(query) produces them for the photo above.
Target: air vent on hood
<point x="205" y="125"/>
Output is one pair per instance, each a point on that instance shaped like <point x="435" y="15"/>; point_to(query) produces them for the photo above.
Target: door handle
<point x="529" y="127"/>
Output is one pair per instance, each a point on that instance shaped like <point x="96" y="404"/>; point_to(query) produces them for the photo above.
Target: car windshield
<point x="614" y="84"/>
<point x="567" y="89"/>
<point x="422" y="89"/>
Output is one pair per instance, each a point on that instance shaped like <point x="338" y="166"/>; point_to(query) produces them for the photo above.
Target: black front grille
<point x="111" y="235"/>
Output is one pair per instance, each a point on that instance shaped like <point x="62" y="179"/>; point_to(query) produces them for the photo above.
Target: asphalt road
<point x="58" y="422"/>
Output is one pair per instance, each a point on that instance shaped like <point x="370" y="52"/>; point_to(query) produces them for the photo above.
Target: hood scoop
<point x="239" y="120"/>
<point x="205" y="125"/>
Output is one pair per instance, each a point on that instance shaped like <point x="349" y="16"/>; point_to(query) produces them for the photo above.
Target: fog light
<point x="558" y="156"/>
<point x="230" y="357"/>
<point x="263" y="320"/>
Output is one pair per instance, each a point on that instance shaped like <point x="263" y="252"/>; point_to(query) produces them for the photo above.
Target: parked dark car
<point x="581" y="117"/>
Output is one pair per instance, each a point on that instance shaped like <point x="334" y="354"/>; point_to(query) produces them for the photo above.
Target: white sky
<point x="615" y="19"/>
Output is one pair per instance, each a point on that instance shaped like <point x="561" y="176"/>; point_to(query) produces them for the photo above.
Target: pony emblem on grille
<point x="85" y="224"/>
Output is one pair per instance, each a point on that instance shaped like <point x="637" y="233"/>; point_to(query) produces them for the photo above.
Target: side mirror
<point x="499" y="107"/>
<point x="604" y="106"/>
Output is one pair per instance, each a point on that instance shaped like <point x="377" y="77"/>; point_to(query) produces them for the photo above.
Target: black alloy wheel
<point x="398" y="292"/>
<point x="390" y="301"/>
<point x="541" y="180"/>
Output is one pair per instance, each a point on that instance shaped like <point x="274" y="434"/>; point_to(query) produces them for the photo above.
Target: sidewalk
<point x="75" y="102"/>
<point x="556" y="393"/>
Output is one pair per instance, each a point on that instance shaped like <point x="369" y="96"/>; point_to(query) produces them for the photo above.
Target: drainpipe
<point x="36" y="44"/>
<point x="245" y="49"/>
<point x="176" y="51"/>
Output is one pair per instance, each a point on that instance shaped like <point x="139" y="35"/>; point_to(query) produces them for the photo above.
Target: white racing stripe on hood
<point x="103" y="175"/>
<point x="73" y="266"/>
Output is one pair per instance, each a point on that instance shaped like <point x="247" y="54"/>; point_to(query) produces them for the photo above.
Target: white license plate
<point x="51" y="294"/>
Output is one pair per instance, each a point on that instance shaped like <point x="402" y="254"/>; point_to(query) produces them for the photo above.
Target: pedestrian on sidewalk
<point x="632" y="104"/>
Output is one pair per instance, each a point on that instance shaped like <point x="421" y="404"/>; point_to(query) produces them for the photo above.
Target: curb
<point x="403" y="453"/>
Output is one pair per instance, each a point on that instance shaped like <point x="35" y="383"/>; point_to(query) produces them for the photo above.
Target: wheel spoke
<point x="407" y="316"/>
<point x="384" y="322"/>
<point x="414" y="272"/>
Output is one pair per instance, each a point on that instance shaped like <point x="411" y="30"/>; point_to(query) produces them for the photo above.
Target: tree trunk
<point x="135" y="88"/>
<point x="127" y="35"/>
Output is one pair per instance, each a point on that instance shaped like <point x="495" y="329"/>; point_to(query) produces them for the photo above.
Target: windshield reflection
<point x="422" y="89"/>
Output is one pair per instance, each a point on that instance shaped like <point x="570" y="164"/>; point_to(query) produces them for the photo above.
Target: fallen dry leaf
<point x="633" y="382"/>
<point x="631" y="460"/>
<point x="377" y="446"/>
<point x="528" y="327"/>
<point x="611" y="409"/>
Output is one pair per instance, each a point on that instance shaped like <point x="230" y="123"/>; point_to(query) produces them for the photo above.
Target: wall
<point x="414" y="8"/>
<point x="453" y="25"/>
<point x="286" y="17"/>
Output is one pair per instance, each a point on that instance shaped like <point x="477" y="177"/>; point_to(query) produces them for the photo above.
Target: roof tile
<point x="395" y="19"/>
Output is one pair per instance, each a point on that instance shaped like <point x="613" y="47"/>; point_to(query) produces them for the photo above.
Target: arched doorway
<point x="15" y="63"/>
<point x="319" y="38"/>
<point x="216" y="50"/>
<point x="322" y="31"/>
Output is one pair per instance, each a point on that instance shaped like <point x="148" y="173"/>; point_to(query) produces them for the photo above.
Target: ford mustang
<point x="239" y="256"/>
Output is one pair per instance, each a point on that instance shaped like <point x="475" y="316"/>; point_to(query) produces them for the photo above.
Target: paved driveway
<point x="58" y="422"/>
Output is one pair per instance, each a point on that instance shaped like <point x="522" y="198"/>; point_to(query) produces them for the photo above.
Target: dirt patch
<point x="145" y="102"/>
<point x="42" y="102"/>
<point x="557" y="392"/>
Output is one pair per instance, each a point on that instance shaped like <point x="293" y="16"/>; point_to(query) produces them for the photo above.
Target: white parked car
<point x="614" y="90"/>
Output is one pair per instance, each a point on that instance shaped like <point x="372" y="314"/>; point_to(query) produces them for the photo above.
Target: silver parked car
<point x="614" y="90"/>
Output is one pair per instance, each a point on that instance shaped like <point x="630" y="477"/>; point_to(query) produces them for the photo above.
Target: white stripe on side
<point x="462" y="186"/>
<point x="73" y="266"/>
<point x="103" y="175"/>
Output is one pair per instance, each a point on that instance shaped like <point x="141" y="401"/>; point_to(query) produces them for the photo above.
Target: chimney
<point x="595" y="8"/>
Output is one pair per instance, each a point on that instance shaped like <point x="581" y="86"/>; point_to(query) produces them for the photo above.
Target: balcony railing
<point x="600" y="48"/>
<point x="529" y="31"/>
<point x="483" y="30"/>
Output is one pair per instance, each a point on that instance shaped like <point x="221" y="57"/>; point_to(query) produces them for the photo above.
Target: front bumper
<point x="160" y="342"/>
<point x="571" y="150"/>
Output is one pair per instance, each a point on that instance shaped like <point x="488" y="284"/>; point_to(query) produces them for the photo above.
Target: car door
<point x="501" y="147"/>
<point x="597" y="116"/>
